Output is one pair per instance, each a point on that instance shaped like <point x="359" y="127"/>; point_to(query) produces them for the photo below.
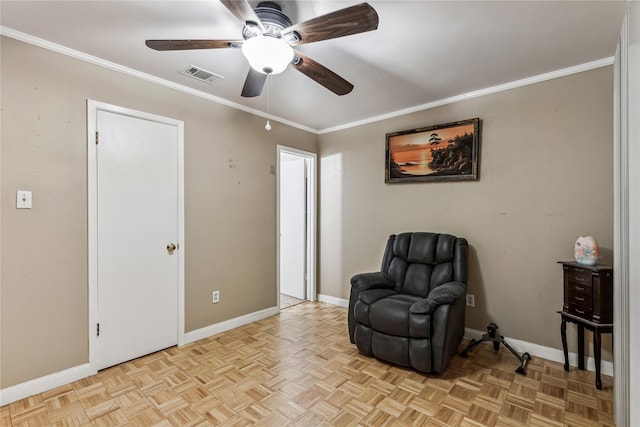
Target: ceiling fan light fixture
<point x="267" y="54"/>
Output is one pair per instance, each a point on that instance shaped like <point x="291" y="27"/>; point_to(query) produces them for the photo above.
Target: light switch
<point x="23" y="200"/>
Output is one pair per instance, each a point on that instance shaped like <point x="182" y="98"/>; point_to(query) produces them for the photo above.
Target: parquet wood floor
<point x="298" y="368"/>
<point x="287" y="301"/>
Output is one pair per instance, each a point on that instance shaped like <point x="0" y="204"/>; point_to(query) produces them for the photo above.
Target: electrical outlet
<point x="471" y="300"/>
<point x="215" y="297"/>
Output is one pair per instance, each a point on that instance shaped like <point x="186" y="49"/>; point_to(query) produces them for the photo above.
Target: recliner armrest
<point x="372" y="295"/>
<point x="447" y="293"/>
<point x="365" y="281"/>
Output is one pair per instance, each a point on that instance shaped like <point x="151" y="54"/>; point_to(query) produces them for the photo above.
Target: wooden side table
<point x="588" y="302"/>
<point x="596" y="328"/>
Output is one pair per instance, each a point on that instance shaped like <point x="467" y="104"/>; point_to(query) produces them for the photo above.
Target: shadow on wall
<point x="476" y="317"/>
<point x="606" y="256"/>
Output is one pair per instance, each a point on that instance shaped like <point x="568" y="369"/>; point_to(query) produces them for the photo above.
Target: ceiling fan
<point x="269" y="36"/>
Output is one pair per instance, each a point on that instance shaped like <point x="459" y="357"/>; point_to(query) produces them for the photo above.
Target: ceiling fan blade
<point x="191" y="44"/>
<point x="242" y="10"/>
<point x="253" y="84"/>
<point x="343" y="22"/>
<point x="321" y="74"/>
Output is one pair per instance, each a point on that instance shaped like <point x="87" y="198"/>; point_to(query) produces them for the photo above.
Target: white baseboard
<point x="553" y="354"/>
<point x="227" y="325"/>
<point x="333" y="300"/>
<point x="57" y="379"/>
<point x="42" y="384"/>
<point x="535" y="350"/>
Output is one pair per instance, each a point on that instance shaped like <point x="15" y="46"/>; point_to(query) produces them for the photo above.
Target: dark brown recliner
<point x="411" y="313"/>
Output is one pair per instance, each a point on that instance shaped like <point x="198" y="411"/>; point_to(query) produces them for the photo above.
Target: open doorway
<point x="296" y="226"/>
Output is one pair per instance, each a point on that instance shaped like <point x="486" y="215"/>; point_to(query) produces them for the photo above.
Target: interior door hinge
<point x="96" y="137"/>
<point x="97" y="329"/>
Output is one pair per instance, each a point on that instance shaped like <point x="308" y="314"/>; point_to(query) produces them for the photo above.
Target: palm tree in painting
<point x="434" y="139"/>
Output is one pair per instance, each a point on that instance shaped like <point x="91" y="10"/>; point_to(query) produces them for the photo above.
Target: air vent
<point x="201" y="74"/>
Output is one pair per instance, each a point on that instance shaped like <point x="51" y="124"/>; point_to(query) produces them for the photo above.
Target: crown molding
<point x="475" y="94"/>
<point x="54" y="47"/>
<point x="5" y="31"/>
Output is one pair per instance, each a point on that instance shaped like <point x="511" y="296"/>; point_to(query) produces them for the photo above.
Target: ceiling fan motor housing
<point x="273" y="20"/>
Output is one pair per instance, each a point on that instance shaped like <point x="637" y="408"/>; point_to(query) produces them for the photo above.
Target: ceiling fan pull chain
<point x="268" y="125"/>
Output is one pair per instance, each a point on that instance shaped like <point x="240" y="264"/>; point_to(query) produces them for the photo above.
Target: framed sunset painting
<point x="446" y="152"/>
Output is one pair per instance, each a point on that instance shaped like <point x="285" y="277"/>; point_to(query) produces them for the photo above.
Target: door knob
<point x="171" y="247"/>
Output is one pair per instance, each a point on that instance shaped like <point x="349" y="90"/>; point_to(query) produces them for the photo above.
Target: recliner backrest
<point x="419" y="262"/>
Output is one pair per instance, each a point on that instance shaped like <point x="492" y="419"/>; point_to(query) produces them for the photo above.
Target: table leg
<point x="563" y="334"/>
<point x="596" y="352"/>
<point x="581" y="346"/>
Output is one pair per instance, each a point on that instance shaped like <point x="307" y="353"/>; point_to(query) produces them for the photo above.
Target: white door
<point x="293" y="220"/>
<point x="137" y="220"/>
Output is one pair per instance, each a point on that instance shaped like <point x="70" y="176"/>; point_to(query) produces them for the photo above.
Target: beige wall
<point x="546" y="177"/>
<point x="230" y="211"/>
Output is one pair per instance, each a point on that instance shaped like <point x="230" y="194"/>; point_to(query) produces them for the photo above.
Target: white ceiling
<point x="422" y="52"/>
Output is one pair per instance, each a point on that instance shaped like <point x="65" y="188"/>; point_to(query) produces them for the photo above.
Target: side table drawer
<point x="579" y="275"/>
<point x="580" y="310"/>
<point x="581" y="295"/>
<point x="580" y="288"/>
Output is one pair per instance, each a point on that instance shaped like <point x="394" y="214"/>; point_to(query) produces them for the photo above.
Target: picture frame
<point x="444" y="152"/>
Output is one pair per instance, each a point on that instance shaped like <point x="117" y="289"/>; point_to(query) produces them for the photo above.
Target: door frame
<point x="311" y="162"/>
<point x="92" y="210"/>
<point x="626" y="228"/>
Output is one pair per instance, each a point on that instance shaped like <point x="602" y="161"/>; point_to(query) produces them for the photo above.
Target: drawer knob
<point x="579" y="288"/>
